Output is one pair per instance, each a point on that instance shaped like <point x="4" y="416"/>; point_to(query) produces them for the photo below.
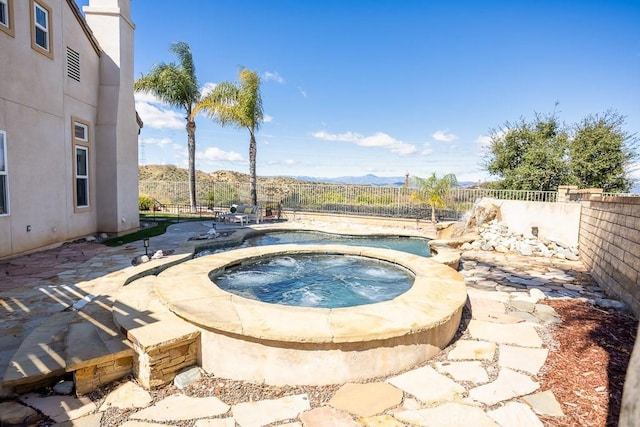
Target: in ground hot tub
<point x="249" y="340"/>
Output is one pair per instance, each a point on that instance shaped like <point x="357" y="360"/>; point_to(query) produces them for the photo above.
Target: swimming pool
<point x="413" y="245"/>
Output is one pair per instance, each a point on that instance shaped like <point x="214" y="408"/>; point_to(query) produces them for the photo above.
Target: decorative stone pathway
<point x="487" y="377"/>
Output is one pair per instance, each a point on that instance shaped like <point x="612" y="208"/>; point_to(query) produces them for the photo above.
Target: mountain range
<point x="370" y="179"/>
<point x="173" y="173"/>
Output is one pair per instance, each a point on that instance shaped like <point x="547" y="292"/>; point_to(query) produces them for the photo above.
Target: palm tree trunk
<point x="433" y="213"/>
<point x="191" y="147"/>
<point x="252" y="169"/>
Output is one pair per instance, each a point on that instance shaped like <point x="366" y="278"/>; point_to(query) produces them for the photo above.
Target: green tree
<point x="177" y="86"/>
<point x="240" y="105"/>
<point x="434" y="190"/>
<point x="529" y="156"/>
<point x="601" y="153"/>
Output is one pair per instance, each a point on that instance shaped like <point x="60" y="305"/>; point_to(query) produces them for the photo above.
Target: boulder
<point x="483" y="211"/>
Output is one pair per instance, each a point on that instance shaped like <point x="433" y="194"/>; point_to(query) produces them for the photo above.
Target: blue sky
<point x="387" y="87"/>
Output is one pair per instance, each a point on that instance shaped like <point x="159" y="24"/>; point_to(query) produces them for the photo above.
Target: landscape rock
<point x="610" y="303"/>
<point x="187" y="377"/>
<point x="495" y="236"/>
<point x="15" y="414"/>
<point x="63" y="387"/>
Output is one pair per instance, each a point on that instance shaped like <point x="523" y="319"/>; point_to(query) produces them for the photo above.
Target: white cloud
<point x="207" y="87"/>
<point x="427" y="150"/>
<point x="483" y="141"/>
<point x="214" y="154"/>
<point x="273" y="76"/>
<point x="156" y="114"/>
<point x="444" y="136"/>
<point x="286" y="162"/>
<point x="146" y="97"/>
<point x="302" y="92"/>
<point x="379" y="139"/>
<point x="267" y="118"/>
<point x="343" y="137"/>
<point x="634" y="171"/>
<point x="156" y="141"/>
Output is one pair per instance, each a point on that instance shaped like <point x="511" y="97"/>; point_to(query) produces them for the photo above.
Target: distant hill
<point x="358" y="180"/>
<point x="173" y="173"/>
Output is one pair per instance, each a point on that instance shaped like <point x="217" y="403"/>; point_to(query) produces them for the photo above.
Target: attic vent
<point x="73" y="64"/>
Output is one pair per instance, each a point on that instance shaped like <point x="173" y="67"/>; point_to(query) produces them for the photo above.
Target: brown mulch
<point x="587" y="372"/>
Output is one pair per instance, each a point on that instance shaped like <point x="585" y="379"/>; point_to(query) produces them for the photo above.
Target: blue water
<point x="326" y="281"/>
<point x="416" y="246"/>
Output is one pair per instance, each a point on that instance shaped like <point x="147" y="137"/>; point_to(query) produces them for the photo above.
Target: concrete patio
<point x="62" y="318"/>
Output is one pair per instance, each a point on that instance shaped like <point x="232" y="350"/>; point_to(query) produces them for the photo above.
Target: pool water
<point x="412" y="245"/>
<point x="323" y="281"/>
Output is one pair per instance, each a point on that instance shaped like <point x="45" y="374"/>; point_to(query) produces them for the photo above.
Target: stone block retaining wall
<point x="610" y="245"/>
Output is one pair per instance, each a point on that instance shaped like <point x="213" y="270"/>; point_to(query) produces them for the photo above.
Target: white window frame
<point x="81" y="143"/>
<point x="85" y="129"/>
<point x="36" y="6"/>
<point x="82" y="177"/>
<point x="4" y="174"/>
<point x="7" y="24"/>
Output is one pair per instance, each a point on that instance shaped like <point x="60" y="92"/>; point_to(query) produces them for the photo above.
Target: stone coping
<point x="442" y="251"/>
<point x="438" y="293"/>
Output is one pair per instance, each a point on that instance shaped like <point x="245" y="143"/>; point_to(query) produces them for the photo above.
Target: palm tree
<point x="433" y="191"/>
<point x="176" y="85"/>
<point x="241" y="106"/>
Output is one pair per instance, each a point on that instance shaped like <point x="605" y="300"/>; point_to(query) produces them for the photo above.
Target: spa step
<point x="85" y="343"/>
<point x="164" y="343"/>
<point x="95" y="357"/>
<point x="40" y="359"/>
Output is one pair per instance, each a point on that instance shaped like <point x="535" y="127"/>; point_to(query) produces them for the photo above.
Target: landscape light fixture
<point x="145" y="243"/>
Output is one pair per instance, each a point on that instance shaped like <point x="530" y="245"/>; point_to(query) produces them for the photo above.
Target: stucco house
<point x="68" y="126"/>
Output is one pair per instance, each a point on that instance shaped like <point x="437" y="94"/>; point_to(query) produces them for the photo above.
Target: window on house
<point x="80" y="132"/>
<point x="6" y="16"/>
<point x="4" y="185"/>
<point x="4" y="13"/>
<point x="41" y="28"/>
<point x="82" y="177"/>
<point x="81" y="173"/>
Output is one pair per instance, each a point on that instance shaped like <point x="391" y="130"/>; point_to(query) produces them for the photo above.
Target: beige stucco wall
<point x="610" y="245"/>
<point x="37" y="105"/>
<point x="555" y="221"/>
<point x="116" y="129"/>
<point x="37" y="102"/>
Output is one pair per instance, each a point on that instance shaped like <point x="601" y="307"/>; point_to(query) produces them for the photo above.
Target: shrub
<point x="145" y="202"/>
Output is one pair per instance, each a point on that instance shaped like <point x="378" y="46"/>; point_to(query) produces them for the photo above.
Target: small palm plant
<point x="434" y="190"/>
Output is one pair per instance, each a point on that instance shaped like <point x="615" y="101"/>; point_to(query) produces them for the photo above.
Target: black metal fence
<point x="327" y="198"/>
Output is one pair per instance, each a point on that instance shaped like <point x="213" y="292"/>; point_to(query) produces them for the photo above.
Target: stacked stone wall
<point x="158" y="365"/>
<point x="90" y="377"/>
<point x="609" y="242"/>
